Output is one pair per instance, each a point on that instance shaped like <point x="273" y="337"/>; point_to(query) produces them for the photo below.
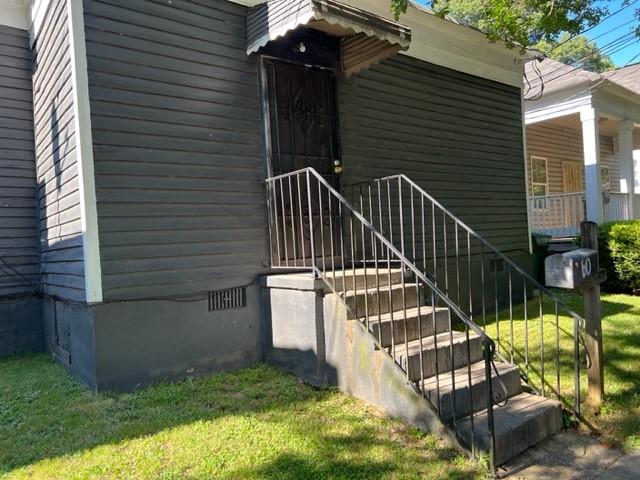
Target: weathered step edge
<point x="523" y="422"/>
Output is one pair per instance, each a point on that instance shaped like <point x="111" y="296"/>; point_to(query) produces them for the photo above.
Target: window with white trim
<point x="605" y="178"/>
<point x="539" y="176"/>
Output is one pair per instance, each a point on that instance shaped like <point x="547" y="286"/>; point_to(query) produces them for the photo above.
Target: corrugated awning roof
<point x="365" y="38"/>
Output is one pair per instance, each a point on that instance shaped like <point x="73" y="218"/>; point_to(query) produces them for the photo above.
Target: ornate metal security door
<point x="304" y="133"/>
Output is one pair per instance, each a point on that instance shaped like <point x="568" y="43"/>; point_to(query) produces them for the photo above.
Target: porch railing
<point x="492" y="290"/>
<point x="616" y="207"/>
<point x="312" y="227"/>
<point x="558" y="215"/>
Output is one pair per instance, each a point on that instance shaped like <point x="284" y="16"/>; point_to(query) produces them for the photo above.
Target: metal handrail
<point x="285" y="204"/>
<point x="495" y="250"/>
<point x="511" y="266"/>
<point x="462" y="315"/>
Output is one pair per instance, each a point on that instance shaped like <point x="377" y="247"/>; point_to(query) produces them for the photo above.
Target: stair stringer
<point x="370" y="374"/>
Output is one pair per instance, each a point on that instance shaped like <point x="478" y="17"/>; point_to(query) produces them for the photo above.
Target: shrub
<point x="619" y="245"/>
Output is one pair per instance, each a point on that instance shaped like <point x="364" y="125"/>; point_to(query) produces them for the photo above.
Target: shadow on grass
<point x="45" y="414"/>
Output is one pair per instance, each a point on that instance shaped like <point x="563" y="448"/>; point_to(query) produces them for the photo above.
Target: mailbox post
<point x="580" y="270"/>
<point x="593" y="322"/>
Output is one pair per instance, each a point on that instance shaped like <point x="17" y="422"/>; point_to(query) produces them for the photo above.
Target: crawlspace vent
<point x="227" y="299"/>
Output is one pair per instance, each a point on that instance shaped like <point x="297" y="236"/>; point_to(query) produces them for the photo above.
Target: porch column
<point x="627" y="174"/>
<point x="591" y="148"/>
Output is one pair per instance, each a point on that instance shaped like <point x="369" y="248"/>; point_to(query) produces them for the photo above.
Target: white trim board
<point x="84" y="147"/>
<point x="36" y="10"/>
<point x="14" y="13"/>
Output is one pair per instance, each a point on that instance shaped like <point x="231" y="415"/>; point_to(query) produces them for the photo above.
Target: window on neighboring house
<point x="605" y="178"/>
<point x="539" y="179"/>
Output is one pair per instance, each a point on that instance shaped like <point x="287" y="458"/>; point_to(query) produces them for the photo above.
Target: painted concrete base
<point x="308" y="334"/>
<point x="128" y="345"/>
<point x="21" y="325"/>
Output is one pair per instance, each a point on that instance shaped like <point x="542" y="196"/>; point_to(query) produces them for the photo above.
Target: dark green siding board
<point x="177" y="147"/>
<point x="56" y="159"/>
<point x="18" y="220"/>
<point x="458" y="136"/>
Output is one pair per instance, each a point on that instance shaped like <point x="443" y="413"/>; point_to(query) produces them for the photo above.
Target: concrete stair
<point x="390" y="298"/>
<point x="524" y="421"/>
<point x="438" y="351"/>
<point x="448" y="365"/>
<point x="508" y="385"/>
<point x="419" y="321"/>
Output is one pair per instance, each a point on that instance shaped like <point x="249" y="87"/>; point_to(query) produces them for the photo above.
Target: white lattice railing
<point x="560" y="214"/>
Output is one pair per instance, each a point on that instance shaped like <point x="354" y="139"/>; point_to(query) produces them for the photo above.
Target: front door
<point x="303" y="123"/>
<point x="303" y="119"/>
<point x="572" y="183"/>
<point x="572" y="177"/>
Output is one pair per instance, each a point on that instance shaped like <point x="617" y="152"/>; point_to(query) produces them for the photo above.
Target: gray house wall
<point x="56" y="159"/>
<point x="179" y="174"/>
<point x="177" y="147"/>
<point x="18" y="227"/>
<point x="456" y="135"/>
<point x="20" y="324"/>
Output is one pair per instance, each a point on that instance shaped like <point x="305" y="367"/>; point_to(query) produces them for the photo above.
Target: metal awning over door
<point x="365" y="38"/>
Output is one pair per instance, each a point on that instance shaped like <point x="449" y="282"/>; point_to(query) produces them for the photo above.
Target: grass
<point x="618" y="419"/>
<point x="257" y="423"/>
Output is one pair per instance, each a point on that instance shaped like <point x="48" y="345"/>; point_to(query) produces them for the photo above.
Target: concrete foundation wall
<point x="308" y="334"/>
<point x="21" y="325"/>
<point x="144" y="342"/>
<point x="69" y="337"/>
<point x="128" y="345"/>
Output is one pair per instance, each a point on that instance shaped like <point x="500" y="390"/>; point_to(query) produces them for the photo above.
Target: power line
<point x="610" y="48"/>
<point x="592" y="26"/>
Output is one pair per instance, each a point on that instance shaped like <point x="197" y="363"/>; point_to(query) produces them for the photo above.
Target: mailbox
<point x="575" y="269"/>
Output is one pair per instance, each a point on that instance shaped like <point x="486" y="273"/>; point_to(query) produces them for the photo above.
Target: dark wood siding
<point x="458" y="136"/>
<point x="18" y="224"/>
<point x="57" y="167"/>
<point x="177" y="146"/>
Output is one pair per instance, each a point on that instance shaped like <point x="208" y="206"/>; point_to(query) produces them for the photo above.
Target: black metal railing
<point x="312" y="227"/>
<point x="514" y="308"/>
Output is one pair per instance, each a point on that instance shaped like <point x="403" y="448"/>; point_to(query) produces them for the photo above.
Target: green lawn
<point x="619" y="418"/>
<point x="256" y="423"/>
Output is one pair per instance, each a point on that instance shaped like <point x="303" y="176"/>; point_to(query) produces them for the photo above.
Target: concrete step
<point x="419" y="322"/>
<point x="344" y="280"/>
<point x="390" y="298"/>
<point x="411" y="362"/>
<point x="523" y="422"/>
<point x="476" y="395"/>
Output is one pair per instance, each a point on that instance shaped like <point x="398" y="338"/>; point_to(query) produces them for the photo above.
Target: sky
<point x="620" y="25"/>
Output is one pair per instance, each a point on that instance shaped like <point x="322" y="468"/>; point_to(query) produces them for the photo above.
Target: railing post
<point x="593" y="323"/>
<point x="311" y="239"/>
<point x="488" y="358"/>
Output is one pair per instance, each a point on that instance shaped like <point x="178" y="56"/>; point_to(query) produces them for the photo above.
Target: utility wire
<point x="592" y="26"/>
<point x="610" y="48"/>
<point x="614" y="46"/>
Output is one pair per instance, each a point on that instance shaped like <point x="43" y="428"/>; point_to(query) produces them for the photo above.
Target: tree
<point x="578" y="51"/>
<point x="521" y="22"/>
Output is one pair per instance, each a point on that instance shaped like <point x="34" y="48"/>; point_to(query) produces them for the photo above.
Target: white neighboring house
<point x="583" y="133"/>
